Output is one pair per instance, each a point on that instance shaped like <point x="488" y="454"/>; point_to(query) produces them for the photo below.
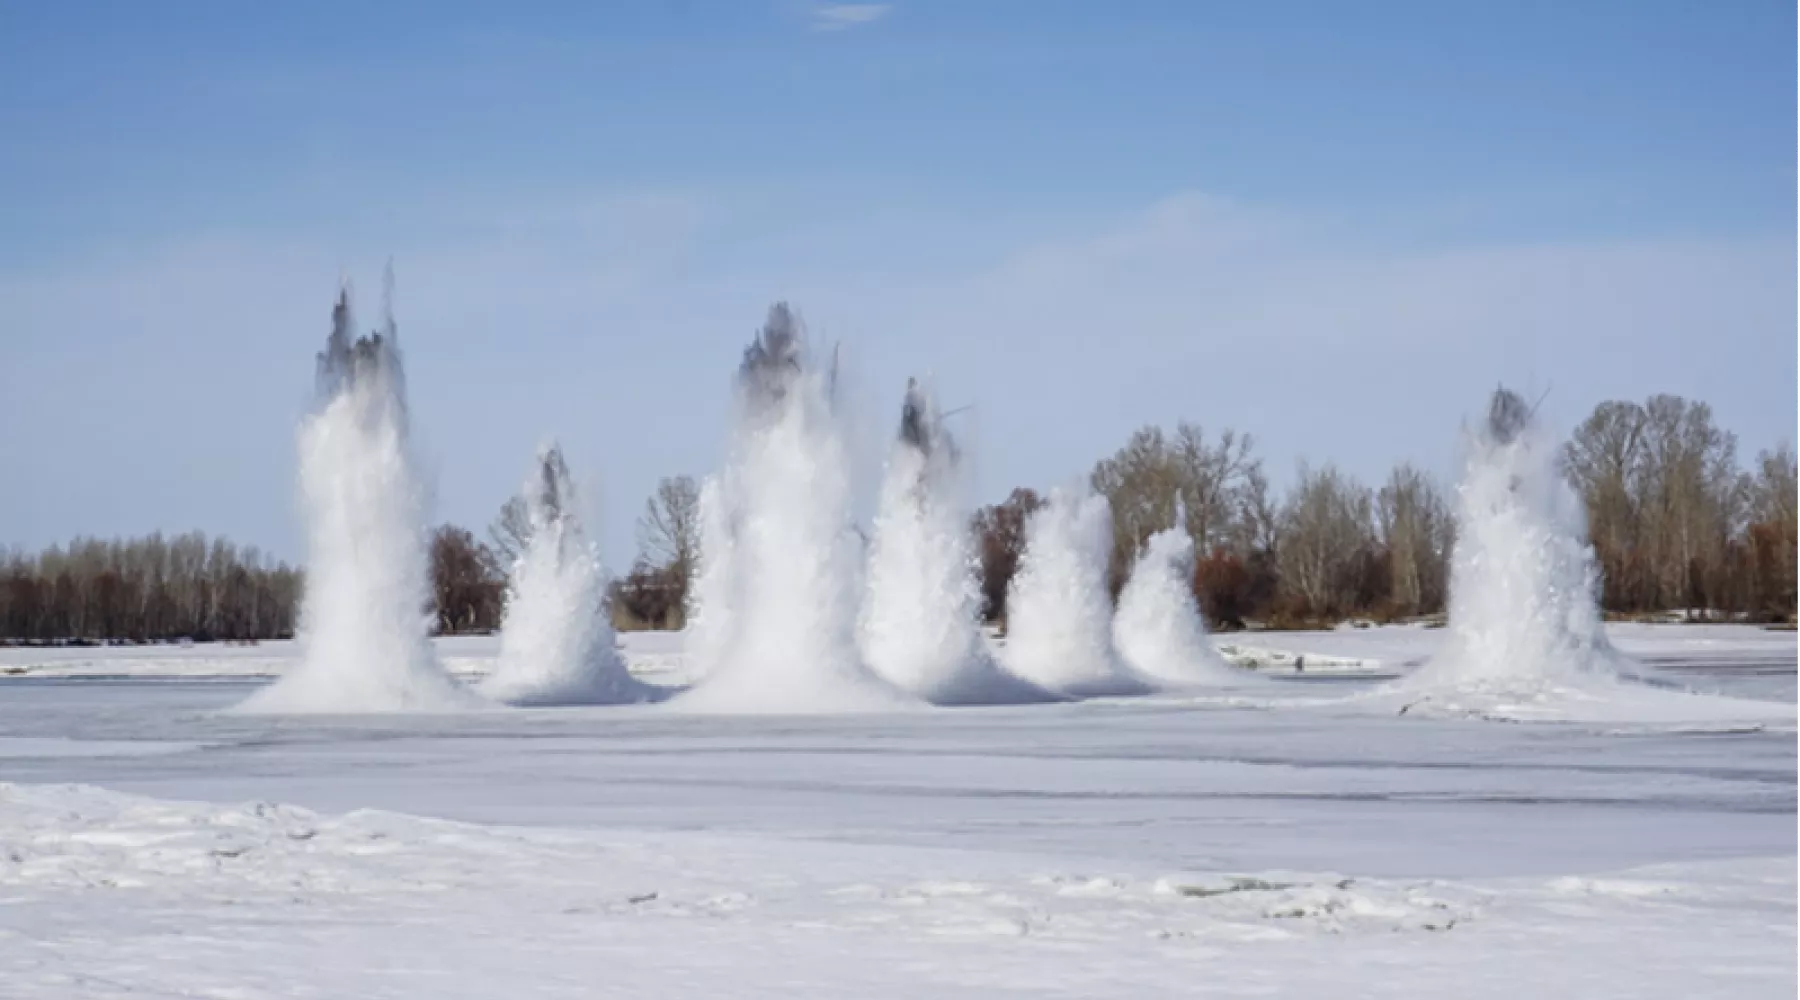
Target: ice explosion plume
<point x="556" y="642"/>
<point x="363" y="619"/>
<point x="775" y="618"/>
<point x="1158" y="628"/>
<point x="1524" y="607"/>
<point x="1059" y="613"/>
<point x="919" y="620"/>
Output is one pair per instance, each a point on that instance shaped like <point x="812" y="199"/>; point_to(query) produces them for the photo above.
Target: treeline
<point x="154" y="589"/>
<point x="1676" y="520"/>
<point x="190" y="587"/>
<point x="146" y="590"/>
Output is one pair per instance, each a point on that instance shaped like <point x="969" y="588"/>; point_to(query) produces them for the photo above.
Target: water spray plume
<point x="1524" y="584"/>
<point x="1526" y="639"/>
<point x="714" y="592"/>
<point x="364" y="627"/>
<point x="919" y="623"/>
<point x="1158" y="628"/>
<point x="775" y="613"/>
<point x="1059" y="612"/>
<point x="556" y="643"/>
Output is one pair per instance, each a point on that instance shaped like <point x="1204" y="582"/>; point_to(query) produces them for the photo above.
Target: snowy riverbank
<point x="114" y="895"/>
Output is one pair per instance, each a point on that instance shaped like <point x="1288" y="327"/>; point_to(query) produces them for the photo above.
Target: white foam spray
<point x="1524" y="583"/>
<point x="556" y="642"/>
<point x="708" y="632"/>
<point x="776" y="600"/>
<point x="1525" y="640"/>
<point x="1158" y="628"/>
<point x="364" y="625"/>
<point x="1059" y="613"/>
<point x="919" y="623"/>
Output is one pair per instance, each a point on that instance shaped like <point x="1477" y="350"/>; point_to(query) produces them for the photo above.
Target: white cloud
<point x="842" y="16"/>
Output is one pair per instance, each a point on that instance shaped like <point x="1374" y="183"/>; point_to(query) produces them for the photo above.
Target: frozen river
<point x="1086" y="846"/>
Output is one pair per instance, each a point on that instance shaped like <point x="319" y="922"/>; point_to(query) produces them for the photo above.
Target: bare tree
<point x="1216" y="478"/>
<point x="1326" y="534"/>
<point x="467" y="584"/>
<point x="1604" y="459"/>
<point x="1259" y="516"/>
<point x="1141" y="484"/>
<point x="1691" y="496"/>
<point x="1773" y="491"/>
<point x="1772" y="535"/>
<point x="1668" y="506"/>
<point x="510" y="533"/>
<point x="1000" y="542"/>
<point x="668" y="533"/>
<point x="1153" y="473"/>
<point x="1415" y="531"/>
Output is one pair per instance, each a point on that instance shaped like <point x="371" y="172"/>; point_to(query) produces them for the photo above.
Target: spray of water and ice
<point x="1158" y="628"/>
<point x="710" y="611"/>
<point x="364" y="627"/>
<point x="556" y="642"/>
<point x="1524" y="585"/>
<point x="919" y="623"/>
<point x="775" y="615"/>
<point x="1058" y="610"/>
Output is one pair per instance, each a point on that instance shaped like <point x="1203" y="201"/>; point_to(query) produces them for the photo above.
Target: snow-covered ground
<point x="468" y="657"/>
<point x="1391" y="649"/>
<point x="1281" y="844"/>
<point x="657" y="656"/>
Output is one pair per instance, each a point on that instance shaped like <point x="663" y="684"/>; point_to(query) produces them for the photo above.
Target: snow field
<point x="105" y="894"/>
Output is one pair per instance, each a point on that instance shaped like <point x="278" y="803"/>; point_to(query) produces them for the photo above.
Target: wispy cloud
<point x="843" y="16"/>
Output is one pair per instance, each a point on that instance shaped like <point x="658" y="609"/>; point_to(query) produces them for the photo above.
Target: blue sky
<point x="1332" y="225"/>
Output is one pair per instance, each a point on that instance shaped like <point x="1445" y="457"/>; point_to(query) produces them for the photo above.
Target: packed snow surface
<point x="115" y="895"/>
<point x="153" y="844"/>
